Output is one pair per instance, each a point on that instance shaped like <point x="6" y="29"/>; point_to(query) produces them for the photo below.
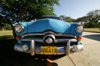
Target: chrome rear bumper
<point x="60" y="50"/>
<point x="36" y="50"/>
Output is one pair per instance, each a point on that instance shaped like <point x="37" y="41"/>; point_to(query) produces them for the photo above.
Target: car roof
<point x="49" y="16"/>
<point x="52" y="16"/>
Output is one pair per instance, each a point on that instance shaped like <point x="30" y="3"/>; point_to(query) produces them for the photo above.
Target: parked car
<point x="48" y="35"/>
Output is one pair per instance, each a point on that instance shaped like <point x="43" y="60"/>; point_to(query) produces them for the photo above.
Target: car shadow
<point x="94" y="37"/>
<point x="6" y="37"/>
<point x="9" y="57"/>
<point x="55" y="57"/>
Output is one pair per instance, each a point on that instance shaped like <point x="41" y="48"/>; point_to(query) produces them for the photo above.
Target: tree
<point x="82" y="19"/>
<point x="67" y="19"/>
<point x="92" y="19"/>
<point x="94" y="16"/>
<point x="3" y="21"/>
<point x="62" y="16"/>
<point x="25" y="10"/>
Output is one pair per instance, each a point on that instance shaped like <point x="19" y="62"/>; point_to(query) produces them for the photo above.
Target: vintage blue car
<point x="49" y="35"/>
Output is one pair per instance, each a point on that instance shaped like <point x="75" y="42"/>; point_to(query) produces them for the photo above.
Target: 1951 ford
<point x="48" y="35"/>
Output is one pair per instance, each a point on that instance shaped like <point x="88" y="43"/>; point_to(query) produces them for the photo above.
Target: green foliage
<point x="1" y="23"/>
<point x="6" y="27"/>
<point x="67" y="19"/>
<point x="92" y="19"/>
<point x="26" y="10"/>
<point x="93" y="25"/>
<point x="82" y="19"/>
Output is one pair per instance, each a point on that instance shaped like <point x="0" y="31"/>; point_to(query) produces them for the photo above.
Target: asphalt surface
<point x="90" y="56"/>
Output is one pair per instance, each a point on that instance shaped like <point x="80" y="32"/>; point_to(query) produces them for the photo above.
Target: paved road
<point x="90" y="56"/>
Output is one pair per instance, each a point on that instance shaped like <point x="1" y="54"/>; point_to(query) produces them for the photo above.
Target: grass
<point x="92" y="29"/>
<point x="4" y="35"/>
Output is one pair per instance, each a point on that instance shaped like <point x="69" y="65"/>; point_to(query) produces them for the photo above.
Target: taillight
<point x="79" y="38"/>
<point x="18" y="37"/>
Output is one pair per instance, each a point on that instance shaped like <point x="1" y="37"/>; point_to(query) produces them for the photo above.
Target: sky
<point x="76" y="8"/>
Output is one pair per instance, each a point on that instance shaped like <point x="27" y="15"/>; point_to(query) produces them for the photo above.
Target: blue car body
<point x="45" y="25"/>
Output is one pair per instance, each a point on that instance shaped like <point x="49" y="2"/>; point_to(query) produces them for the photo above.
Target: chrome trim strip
<point x="48" y="32"/>
<point x="64" y="40"/>
<point x="56" y="41"/>
<point x="29" y="40"/>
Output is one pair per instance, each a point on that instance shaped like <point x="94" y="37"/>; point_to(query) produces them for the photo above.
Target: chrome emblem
<point x="49" y="39"/>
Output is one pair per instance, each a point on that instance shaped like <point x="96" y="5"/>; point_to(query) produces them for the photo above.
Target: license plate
<point x="48" y="50"/>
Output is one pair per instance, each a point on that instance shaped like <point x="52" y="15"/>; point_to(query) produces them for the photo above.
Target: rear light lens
<point x="79" y="38"/>
<point x="18" y="37"/>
